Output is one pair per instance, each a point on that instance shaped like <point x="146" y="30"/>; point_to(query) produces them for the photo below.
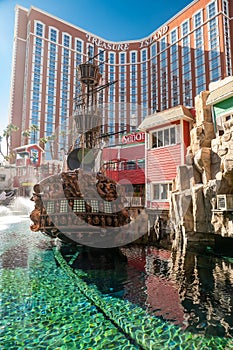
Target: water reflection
<point x="206" y="291"/>
<point x="188" y="288"/>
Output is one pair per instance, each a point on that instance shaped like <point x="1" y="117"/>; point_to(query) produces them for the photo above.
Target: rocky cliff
<point x="208" y="173"/>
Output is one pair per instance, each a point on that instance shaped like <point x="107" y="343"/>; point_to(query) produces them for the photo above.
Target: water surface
<point x="43" y="308"/>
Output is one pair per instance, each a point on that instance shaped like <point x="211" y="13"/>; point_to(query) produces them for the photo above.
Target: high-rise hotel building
<point x="167" y="68"/>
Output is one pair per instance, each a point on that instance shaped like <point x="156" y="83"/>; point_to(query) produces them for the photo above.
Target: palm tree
<point x="1" y="146"/>
<point x="26" y="134"/>
<point x="34" y="128"/>
<point x="7" y="133"/>
<point x="42" y="142"/>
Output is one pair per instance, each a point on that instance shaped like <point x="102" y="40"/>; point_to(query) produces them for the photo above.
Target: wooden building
<point x="167" y="136"/>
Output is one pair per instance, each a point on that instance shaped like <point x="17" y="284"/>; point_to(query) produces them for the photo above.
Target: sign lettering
<point x="125" y="46"/>
<point x="107" y="46"/>
<point x="133" y="138"/>
<point x="156" y="36"/>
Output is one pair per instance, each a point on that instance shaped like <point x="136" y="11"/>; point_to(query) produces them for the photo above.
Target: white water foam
<point x="18" y="206"/>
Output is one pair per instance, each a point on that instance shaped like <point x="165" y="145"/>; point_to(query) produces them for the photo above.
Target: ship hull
<point x="77" y="206"/>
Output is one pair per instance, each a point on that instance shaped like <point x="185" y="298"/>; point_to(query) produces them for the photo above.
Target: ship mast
<point x="87" y="115"/>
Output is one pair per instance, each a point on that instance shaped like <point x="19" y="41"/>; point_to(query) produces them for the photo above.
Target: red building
<point x="126" y="165"/>
<point x="28" y="162"/>
<point x="166" y="69"/>
<point x="167" y="137"/>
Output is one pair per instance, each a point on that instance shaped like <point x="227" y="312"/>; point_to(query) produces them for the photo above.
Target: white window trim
<point x="181" y="26"/>
<point x="153" y="200"/>
<point x="174" y="30"/>
<point x="141" y="55"/>
<point x="114" y="54"/>
<point x="193" y="19"/>
<point x="43" y="25"/>
<point x="82" y="45"/>
<point x="63" y="38"/>
<point x="208" y="8"/>
<point x="57" y="31"/>
<point x="136" y="54"/>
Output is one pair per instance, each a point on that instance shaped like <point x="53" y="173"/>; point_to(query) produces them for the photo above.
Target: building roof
<point x="221" y="93"/>
<point x="25" y="147"/>
<point x="166" y="116"/>
<point x="86" y="31"/>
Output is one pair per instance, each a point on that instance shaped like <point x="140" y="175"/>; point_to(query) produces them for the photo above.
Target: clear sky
<point x="115" y="20"/>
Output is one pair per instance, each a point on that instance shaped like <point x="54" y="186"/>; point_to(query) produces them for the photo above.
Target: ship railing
<point x="96" y="213"/>
<point x="135" y="201"/>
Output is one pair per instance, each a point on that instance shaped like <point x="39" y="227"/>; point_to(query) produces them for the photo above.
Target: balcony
<point x="135" y="201"/>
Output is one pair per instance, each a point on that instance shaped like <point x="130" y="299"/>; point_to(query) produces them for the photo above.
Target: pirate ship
<point x="82" y="204"/>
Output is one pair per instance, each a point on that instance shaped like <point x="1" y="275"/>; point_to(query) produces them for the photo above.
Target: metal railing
<point x="135" y="201"/>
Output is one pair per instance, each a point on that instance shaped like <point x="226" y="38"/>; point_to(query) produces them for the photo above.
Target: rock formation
<point x="208" y="173"/>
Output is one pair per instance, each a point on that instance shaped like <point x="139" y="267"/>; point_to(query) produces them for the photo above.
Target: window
<point x="79" y="205"/>
<point x="211" y="9"/>
<point x="94" y="206"/>
<point x="66" y="40"/>
<point x="141" y="163"/>
<point x="143" y="55"/>
<point x="53" y="35"/>
<point x="174" y="36"/>
<point x="153" y="50"/>
<point x="112" y="58"/>
<point x="161" y="191"/>
<point x="131" y="165"/>
<point x="185" y="28"/>
<point x="39" y="29"/>
<point x="50" y="207"/>
<point x="79" y="45"/>
<point x="122" y="57"/>
<point x="133" y="56"/>
<point x="2" y="178"/>
<point x="164" y="137"/>
<point x="197" y="19"/>
<point x="108" y="207"/>
<point x="226" y="121"/>
<point x="63" y="206"/>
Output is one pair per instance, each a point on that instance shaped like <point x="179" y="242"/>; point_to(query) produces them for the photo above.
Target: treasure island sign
<point x="125" y="46"/>
<point x="135" y="137"/>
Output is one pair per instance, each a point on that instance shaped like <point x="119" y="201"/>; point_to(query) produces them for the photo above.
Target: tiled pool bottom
<point x="44" y="309"/>
<point x="46" y="306"/>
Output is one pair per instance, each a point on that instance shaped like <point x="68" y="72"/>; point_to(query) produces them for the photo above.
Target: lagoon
<point x="140" y="297"/>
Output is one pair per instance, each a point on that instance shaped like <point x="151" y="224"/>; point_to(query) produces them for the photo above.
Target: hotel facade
<point x="166" y="69"/>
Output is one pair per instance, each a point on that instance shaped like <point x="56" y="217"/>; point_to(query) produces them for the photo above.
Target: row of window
<point x="126" y="165"/>
<point x="165" y="137"/>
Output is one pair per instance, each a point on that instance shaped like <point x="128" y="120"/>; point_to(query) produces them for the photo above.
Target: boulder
<point x="202" y="163"/>
<point x="203" y="112"/>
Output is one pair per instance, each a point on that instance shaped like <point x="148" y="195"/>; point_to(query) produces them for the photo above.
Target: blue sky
<point x="117" y="20"/>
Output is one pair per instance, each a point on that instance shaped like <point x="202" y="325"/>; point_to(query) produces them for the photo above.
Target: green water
<point x="42" y="308"/>
<point x="45" y="305"/>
